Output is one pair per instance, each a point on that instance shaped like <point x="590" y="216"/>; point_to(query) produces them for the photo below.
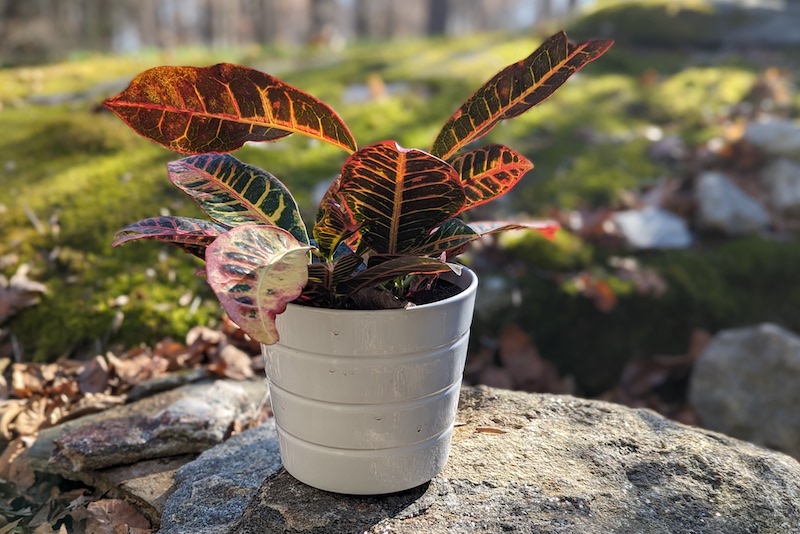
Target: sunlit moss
<point x="700" y="92"/>
<point x="565" y="252"/>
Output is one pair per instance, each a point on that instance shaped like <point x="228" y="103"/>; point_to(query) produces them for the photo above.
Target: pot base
<point x="364" y="472"/>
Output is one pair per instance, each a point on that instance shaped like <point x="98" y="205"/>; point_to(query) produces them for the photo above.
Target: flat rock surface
<point x="133" y="451"/>
<point x="211" y="492"/>
<point x="520" y="463"/>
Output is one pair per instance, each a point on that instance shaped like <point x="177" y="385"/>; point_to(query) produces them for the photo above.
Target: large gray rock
<point x="524" y="463"/>
<point x="722" y="206"/>
<point x="747" y="384"/>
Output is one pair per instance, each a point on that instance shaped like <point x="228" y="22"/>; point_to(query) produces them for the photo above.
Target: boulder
<point x="723" y="207"/>
<point x="747" y="384"/>
<point x="653" y="228"/>
<point x="782" y="179"/>
<point x="520" y="462"/>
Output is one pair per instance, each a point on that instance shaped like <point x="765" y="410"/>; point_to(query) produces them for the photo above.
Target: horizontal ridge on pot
<point x="366" y="426"/>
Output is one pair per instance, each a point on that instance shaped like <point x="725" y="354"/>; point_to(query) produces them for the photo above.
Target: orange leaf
<point x="515" y="90"/>
<point x="219" y="108"/>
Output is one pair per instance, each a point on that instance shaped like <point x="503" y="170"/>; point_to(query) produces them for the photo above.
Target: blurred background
<point x="673" y="164"/>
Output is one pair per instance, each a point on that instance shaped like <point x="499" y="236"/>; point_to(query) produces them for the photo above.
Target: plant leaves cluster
<point x="389" y="224"/>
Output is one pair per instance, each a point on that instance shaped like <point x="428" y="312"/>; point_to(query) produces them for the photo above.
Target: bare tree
<point x="437" y="16"/>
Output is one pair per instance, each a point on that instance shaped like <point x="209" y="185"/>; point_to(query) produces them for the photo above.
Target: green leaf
<point x="219" y="108"/>
<point x="191" y="235"/>
<point x="489" y="172"/>
<point x="255" y="271"/>
<point x="391" y="269"/>
<point x="397" y="195"/>
<point x="235" y="193"/>
<point x="515" y="90"/>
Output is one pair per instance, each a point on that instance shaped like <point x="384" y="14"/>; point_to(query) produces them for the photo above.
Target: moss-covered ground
<point x="72" y="174"/>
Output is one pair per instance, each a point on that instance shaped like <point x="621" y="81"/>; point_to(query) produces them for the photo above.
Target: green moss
<point x="698" y="94"/>
<point x="656" y="23"/>
<point x="733" y="284"/>
<point x="565" y="252"/>
<point x="89" y="172"/>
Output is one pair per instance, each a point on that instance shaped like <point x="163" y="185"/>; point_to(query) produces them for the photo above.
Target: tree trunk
<point x="437" y="17"/>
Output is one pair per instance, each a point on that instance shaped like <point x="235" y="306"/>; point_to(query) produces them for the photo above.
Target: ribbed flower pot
<point x="365" y="401"/>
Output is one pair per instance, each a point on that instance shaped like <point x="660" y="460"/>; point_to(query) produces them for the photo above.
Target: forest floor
<point x="588" y="314"/>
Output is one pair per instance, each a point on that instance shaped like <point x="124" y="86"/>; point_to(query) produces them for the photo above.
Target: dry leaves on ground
<point x="36" y="396"/>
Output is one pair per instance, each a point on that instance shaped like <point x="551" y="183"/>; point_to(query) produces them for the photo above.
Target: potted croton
<point x="364" y="319"/>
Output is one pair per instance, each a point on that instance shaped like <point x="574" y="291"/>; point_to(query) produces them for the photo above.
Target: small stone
<point x="653" y="228"/>
<point x="775" y="137"/>
<point x="782" y="178"/>
<point x="745" y="384"/>
<point x="723" y="207"/>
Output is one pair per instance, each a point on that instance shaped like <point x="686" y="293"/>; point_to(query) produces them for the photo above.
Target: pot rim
<point x="467" y="281"/>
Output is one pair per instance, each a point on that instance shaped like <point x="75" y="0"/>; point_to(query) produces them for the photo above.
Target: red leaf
<point x="489" y="172"/>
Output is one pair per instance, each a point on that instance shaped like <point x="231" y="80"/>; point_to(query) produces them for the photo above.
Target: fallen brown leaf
<point x="233" y="363"/>
<point x="19" y="292"/>
<point x="110" y="516"/>
<point x="93" y="377"/>
<point x="9" y="527"/>
<point x="4" y="363"/>
<point x="32" y="418"/>
<point x="527" y="369"/>
<point x="9" y="410"/>
<point x="15" y="466"/>
<point x="490" y="430"/>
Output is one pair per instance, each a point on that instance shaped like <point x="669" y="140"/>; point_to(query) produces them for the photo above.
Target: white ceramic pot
<point x="365" y="401"/>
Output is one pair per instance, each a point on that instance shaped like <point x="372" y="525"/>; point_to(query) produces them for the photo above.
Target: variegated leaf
<point x="489" y="172"/>
<point x="334" y="225"/>
<point x="515" y="90"/>
<point x="255" y="270"/>
<point x="547" y="229"/>
<point x="191" y="235"/>
<point x="318" y="290"/>
<point x="451" y="235"/>
<point x="391" y="269"/>
<point x="234" y="193"/>
<point x="398" y="195"/>
<point x="218" y="108"/>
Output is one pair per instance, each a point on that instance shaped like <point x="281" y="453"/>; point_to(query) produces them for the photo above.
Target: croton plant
<point x="387" y="226"/>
